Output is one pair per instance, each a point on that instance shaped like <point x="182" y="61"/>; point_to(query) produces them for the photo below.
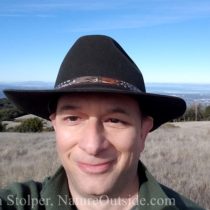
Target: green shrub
<point x="49" y="129"/>
<point x="2" y="127"/>
<point x="30" y="125"/>
<point x="6" y="103"/>
<point x="8" y="111"/>
<point x="10" y="114"/>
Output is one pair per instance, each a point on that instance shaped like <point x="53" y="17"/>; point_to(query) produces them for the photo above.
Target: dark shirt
<point x="53" y="194"/>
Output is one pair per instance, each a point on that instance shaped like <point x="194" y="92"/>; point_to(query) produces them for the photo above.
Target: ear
<point x="146" y="126"/>
<point x="52" y="119"/>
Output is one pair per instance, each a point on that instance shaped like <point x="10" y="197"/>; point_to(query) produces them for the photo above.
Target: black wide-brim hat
<point x="97" y="63"/>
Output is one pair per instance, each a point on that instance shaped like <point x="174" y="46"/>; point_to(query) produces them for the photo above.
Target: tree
<point x="195" y="112"/>
<point x="207" y="113"/>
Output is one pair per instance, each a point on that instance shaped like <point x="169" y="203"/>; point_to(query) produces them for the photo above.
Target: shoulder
<point x="19" y="195"/>
<point x="180" y="201"/>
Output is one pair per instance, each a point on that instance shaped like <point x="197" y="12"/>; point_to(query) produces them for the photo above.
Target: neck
<point x="122" y="201"/>
<point x="104" y="202"/>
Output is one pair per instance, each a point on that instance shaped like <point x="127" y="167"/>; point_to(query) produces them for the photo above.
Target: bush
<point x="6" y="103"/>
<point x="8" y="111"/>
<point x="2" y="127"/>
<point x="10" y="114"/>
<point x="30" y="125"/>
<point x="49" y="129"/>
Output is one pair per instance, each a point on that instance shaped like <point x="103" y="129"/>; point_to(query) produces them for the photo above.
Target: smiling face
<point x="99" y="141"/>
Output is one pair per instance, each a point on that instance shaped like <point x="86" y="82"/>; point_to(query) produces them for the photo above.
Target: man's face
<point x="99" y="141"/>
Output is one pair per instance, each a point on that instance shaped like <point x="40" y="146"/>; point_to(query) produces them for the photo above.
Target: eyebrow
<point x="114" y="110"/>
<point x="68" y="107"/>
<point x="119" y="110"/>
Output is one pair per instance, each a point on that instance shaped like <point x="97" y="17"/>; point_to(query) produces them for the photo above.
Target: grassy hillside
<point x="176" y="154"/>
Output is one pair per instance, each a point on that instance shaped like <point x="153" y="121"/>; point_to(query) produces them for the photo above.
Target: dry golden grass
<point x="177" y="154"/>
<point x="26" y="156"/>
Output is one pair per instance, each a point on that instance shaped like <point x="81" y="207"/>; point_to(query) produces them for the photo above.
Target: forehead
<point x="102" y="99"/>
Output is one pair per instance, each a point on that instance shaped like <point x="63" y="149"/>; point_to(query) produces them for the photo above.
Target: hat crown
<point x="99" y="56"/>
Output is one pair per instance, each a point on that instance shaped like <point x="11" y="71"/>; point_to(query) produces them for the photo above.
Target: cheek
<point x="126" y="141"/>
<point x="64" y="141"/>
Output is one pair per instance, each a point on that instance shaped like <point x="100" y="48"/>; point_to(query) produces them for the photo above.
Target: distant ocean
<point x="192" y="93"/>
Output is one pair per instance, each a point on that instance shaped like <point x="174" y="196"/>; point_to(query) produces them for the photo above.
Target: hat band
<point x="97" y="80"/>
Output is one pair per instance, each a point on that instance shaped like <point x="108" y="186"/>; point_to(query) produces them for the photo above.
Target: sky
<point x="168" y="40"/>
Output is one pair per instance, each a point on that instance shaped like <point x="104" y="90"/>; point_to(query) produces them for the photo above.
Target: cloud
<point x="51" y="6"/>
<point x="122" y="14"/>
<point x="133" y="21"/>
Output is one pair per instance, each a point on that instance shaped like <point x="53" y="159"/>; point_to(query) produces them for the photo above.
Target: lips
<point x="96" y="168"/>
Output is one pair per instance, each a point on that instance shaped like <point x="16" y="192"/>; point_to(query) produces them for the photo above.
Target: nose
<point x="93" y="140"/>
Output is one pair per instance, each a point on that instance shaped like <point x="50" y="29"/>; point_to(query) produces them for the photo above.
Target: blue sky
<point x="168" y="40"/>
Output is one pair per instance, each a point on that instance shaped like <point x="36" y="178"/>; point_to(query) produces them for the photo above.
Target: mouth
<point x="97" y="168"/>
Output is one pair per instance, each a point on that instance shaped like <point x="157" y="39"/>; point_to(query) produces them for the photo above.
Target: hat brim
<point x="162" y="108"/>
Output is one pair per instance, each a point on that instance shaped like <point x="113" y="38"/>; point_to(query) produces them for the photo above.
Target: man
<point x="101" y="114"/>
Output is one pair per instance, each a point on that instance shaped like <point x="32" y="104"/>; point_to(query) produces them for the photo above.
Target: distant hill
<point x="192" y="93"/>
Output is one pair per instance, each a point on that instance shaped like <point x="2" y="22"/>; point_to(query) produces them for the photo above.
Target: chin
<point x="100" y="190"/>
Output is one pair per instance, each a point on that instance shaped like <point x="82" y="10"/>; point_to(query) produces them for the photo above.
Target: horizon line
<point x="149" y="82"/>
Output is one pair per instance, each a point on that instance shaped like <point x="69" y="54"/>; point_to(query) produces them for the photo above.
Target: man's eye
<point x="116" y="123"/>
<point x="73" y="118"/>
<point x="114" y="120"/>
